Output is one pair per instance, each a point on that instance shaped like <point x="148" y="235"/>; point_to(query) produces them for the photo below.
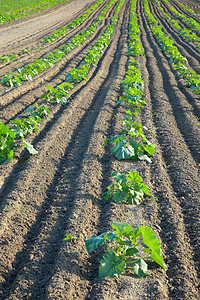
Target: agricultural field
<point x="100" y="150"/>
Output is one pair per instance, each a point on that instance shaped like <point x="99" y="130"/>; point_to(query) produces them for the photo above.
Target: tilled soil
<point x="59" y="191"/>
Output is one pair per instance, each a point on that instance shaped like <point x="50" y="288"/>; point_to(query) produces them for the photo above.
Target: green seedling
<point x="132" y="249"/>
<point x="127" y="189"/>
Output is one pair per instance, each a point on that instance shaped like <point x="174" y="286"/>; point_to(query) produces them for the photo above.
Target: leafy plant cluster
<point x="130" y="249"/>
<point x="64" y="30"/>
<point x="127" y="248"/>
<point x="76" y="75"/>
<point x="10" y="57"/>
<point x="9" y="14"/>
<point x="189" y="21"/>
<point x="188" y="9"/>
<point x="175" y="57"/>
<point x="21" y="127"/>
<point x="127" y="189"/>
<point x="25" y="126"/>
<point x="184" y="32"/>
<point x="6" y="58"/>
<point x="132" y="142"/>
<point x="40" y="65"/>
<point x="134" y="45"/>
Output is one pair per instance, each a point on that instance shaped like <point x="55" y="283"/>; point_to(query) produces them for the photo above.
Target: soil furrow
<point x="183" y="11"/>
<point x="77" y="150"/>
<point x="184" y="47"/>
<point x="56" y="74"/>
<point x="29" y="29"/>
<point x="182" y="23"/>
<point x="59" y="191"/>
<point x="180" y="193"/>
<point x="40" y="50"/>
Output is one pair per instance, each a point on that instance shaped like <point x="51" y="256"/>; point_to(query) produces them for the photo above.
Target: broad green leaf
<point x="150" y="149"/>
<point x="30" y="148"/>
<point x="95" y="241"/>
<point x="122" y="229"/>
<point x="123" y="151"/>
<point x="119" y="197"/>
<point x="115" y="139"/>
<point x="144" y="157"/>
<point x="5" y="130"/>
<point x="131" y="251"/>
<point x="6" y="158"/>
<point x="134" y="177"/>
<point x="111" y="266"/>
<point x="150" y="240"/>
<point x="119" y="177"/>
<point x="140" y="268"/>
<point x="146" y="190"/>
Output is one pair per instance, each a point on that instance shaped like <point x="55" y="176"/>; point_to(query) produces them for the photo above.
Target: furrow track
<point x="183" y="11"/>
<point x="59" y="191"/>
<point x="183" y="24"/>
<point x="39" y="26"/>
<point x="176" y="181"/>
<point x="186" y="49"/>
<point x="40" y="49"/>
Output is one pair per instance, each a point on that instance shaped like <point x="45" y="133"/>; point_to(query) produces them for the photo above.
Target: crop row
<point x="58" y="33"/>
<point x="128" y="188"/>
<point x="130" y="144"/>
<point x="60" y="94"/>
<point x="189" y="21"/>
<point x="176" y="59"/>
<point x="187" y="34"/>
<point x="64" y="30"/>
<point x="187" y="8"/>
<point x="40" y="65"/>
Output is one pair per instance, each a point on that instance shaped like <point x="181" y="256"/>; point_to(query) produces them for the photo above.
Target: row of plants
<point x="194" y="25"/>
<point x="40" y="65"/>
<point x="176" y="59"/>
<point x="11" y="11"/>
<point x="92" y="57"/>
<point x="126" y="253"/>
<point x="58" y="33"/>
<point x="187" y="34"/>
<point x="188" y="9"/>
<point x="10" y="138"/>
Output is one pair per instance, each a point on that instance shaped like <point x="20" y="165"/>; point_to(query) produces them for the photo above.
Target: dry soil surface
<point x="59" y="191"/>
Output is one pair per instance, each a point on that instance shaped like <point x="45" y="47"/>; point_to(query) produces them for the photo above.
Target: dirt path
<point x="11" y="35"/>
<point x="59" y="191"/>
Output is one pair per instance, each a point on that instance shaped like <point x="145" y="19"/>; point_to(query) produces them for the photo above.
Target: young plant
<point x="130" y="251"/>
<point x="59" y="95"/>
<point x="127" y="189"/>
<point x="137" y="148"/>
<point x="6" y="144"/>
<point x="10" y="80"/>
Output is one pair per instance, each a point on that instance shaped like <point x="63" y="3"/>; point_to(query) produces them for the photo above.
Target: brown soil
<point x="59" y="191"/>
